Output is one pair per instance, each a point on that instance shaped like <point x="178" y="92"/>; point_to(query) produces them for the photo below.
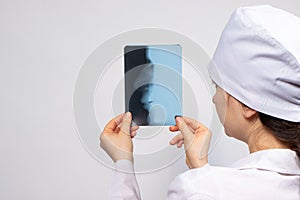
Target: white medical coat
<point x="267" y="174"/>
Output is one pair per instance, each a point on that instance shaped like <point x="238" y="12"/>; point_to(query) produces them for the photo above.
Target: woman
<point x="257" y="75"/>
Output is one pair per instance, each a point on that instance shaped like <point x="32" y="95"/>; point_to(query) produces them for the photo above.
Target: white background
<point x="42" y="47"/>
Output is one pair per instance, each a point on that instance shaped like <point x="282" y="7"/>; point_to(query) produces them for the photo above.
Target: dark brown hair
<point x="286" y="131"/>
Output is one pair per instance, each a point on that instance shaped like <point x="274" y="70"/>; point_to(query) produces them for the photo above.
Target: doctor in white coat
<point x="256" y="69"/>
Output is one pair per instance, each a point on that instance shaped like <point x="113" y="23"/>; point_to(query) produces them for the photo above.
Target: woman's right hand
<point x="116" y="138"/>
<point x="196" y="139"/>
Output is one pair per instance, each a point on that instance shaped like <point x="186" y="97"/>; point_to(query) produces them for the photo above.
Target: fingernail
<point x="179" y="119"/>
<point x="128" y="114"/>
<point x="177" y="116"/>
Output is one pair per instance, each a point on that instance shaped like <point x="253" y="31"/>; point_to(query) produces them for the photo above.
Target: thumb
<point x="188" y="135"/>
<point x="126" y="123"/>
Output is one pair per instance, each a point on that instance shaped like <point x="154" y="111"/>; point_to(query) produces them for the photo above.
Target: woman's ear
<point x="247" y="112"/>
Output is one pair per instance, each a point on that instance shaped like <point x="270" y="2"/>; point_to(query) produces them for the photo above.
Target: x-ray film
<point x="153" y="83"/>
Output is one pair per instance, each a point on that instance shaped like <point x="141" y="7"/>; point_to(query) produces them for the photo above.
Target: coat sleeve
<point x="123" y="184"/>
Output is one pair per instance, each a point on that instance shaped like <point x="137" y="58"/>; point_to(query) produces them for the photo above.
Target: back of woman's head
<point x="285" y="131"/>
<point x="257" y="61"/>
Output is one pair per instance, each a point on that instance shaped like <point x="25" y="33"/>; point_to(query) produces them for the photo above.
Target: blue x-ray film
<point x="153" y="84"/>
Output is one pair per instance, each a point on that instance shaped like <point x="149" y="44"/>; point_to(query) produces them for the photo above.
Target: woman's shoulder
<point x="255" y="174"/>
<point x="279" y="161"/>
<point x="207" y="172"/>
<point x="205" y="181"/>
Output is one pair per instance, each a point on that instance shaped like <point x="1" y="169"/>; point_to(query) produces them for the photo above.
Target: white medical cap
<point x="257" y="61"/>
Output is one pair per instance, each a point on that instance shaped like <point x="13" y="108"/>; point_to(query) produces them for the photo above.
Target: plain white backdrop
<point x="42" y="47"/>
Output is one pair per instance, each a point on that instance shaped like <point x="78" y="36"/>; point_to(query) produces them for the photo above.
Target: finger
<point x="180" y="143"/>
<point x="126" y="122"/>
<point x="194" y="124"/>
<point x="188" y="135"/>
<point x="113" y="123"/>
<point x="173" y="128"/>
<point x="176" y="139"/>
<point x="133" y="134"/>
<point x="134" y="128"/>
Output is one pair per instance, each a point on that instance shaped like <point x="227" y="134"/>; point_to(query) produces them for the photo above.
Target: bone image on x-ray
<point x="153" y="83"/>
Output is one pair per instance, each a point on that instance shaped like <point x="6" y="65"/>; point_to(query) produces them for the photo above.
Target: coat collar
<point x="283" y="161"/>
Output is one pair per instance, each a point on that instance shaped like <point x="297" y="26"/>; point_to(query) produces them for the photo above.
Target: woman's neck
<point x="263" y="139"/>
